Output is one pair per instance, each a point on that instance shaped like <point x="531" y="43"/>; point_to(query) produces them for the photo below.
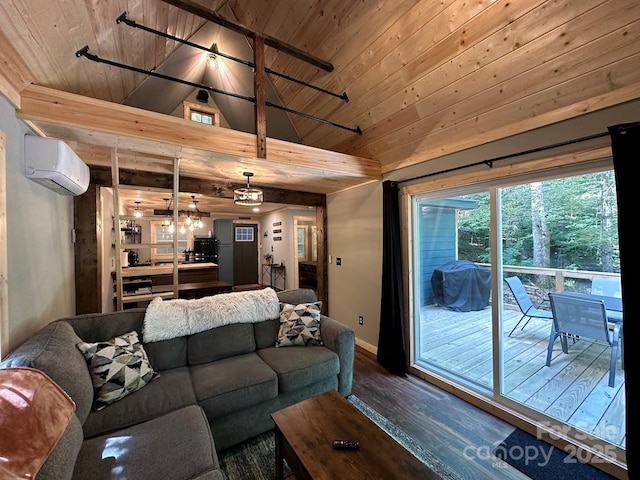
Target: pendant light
<point x="248" y="196"/>
<point x="167" y="221"/>
<point x="137" y="213"/>
<point x="197" y="221"/>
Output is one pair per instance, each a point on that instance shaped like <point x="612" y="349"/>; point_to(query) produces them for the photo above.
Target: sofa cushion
<point x="233" y="383"/>
<point x="175" y="446"/>
<point x="220" y="342"/>
<point x="62" y="460"/>
<point x="170" y="391"/>
<point x="298" y="367"/>
<point x="95" y="327"/>
<point x="53" y="350"/>
<point x="299" y="325"/>
<point x="118" y="367"/>
<point x="167" y="354"/>
<point x="266" y="333"/>
<point x="297" y="295"/>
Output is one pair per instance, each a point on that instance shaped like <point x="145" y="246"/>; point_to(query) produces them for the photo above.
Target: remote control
<point x="346" y="444"/>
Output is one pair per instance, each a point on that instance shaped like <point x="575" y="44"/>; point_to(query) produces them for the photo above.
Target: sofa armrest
<point x="341" y="339"/>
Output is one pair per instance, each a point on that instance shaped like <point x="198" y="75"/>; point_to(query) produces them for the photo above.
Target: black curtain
<point x="391" y="354"/>
<point x="625" y="145"/>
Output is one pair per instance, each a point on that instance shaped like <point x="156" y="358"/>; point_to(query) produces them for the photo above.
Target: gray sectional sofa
<point x="215" y="389"/>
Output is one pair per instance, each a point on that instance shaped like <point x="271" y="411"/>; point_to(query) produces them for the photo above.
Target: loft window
<point x="199" y="113"/>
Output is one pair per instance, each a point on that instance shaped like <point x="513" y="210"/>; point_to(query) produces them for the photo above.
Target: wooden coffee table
<point x="304" y="438"/>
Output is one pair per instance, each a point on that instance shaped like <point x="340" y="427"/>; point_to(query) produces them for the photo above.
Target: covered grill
<point x="461" y="285"/>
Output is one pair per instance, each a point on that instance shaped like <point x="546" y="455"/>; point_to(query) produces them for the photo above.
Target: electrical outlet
<point x="338" y="260"/>
<point x="361" y="320"/>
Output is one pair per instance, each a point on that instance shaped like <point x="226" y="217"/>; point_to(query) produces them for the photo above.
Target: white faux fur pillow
<point x="168" y="319"/>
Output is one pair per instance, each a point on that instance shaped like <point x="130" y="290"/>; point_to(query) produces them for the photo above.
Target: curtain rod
<point x="490" y="161"/>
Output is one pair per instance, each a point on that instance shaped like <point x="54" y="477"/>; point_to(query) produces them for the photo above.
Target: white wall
<point x="354" y="233"/>
<point x="284" y="251"/>
<point x="41" y="284"/>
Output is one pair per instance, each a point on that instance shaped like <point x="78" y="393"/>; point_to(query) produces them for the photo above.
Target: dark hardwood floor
<point x="460" y="434"/>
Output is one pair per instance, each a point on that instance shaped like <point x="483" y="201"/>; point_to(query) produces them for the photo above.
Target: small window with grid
<point x="244" y="234"/>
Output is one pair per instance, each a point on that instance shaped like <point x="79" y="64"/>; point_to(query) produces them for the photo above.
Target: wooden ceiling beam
<point x="102" y="176"/>
<point x="168" y="213"/>
<point x="208" y="14"/>
<point x="111" y="124"/>
<point x="258" y="88"/>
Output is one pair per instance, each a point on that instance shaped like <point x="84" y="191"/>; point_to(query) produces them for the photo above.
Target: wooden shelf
<point x="145" y="297"/>
<point x="130" y="246"/>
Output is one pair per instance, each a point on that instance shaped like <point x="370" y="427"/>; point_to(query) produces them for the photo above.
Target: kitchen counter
<point x="142" y="283"/>
<point x="166" y="268"/>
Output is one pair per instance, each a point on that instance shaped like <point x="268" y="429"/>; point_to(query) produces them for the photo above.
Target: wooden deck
<point x="573" y="389"/>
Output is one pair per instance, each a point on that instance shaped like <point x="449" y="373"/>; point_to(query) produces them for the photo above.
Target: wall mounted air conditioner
<point x="52" y="163"/>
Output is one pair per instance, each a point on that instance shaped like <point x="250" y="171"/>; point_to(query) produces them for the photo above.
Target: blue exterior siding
<point x="437" y="238"/>
<point x="436" y="244"/>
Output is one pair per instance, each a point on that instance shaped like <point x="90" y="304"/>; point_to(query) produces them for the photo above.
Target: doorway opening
<point x="305" y="240"/>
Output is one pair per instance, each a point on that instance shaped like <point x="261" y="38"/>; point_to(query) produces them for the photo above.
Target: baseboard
<point x="366" y="346"/>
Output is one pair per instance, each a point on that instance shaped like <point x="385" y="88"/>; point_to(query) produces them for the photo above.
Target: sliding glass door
<point x="482" y="317"/>
<point x="453" y="309"/>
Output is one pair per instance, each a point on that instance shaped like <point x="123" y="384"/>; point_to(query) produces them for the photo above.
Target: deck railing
<point x="559" y="275"/>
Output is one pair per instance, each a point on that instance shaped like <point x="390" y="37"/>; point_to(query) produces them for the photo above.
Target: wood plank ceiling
<point x="424" y="78"/>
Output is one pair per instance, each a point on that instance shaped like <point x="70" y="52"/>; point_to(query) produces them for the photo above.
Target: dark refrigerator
<point x="223" y="231"/>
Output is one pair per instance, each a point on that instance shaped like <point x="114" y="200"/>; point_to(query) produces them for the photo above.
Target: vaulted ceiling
<point x="423" y="78"/>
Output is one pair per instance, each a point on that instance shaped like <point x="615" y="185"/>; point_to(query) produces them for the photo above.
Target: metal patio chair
<point x="583" y="318"/>
<point x="528" y="309"/>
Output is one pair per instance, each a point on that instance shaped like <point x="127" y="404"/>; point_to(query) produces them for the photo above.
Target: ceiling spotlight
<point x="202" y="96"/>
<point x="248" y="196"/>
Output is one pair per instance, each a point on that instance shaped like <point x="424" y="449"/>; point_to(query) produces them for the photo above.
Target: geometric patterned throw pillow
<point x="299" y="324"/>
<point x="118" y="367"/>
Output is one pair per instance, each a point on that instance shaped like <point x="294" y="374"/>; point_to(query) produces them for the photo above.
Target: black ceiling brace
<point x="84" y="52"/>
<point x="123" y="18"/>
<point x="311" y="117"/>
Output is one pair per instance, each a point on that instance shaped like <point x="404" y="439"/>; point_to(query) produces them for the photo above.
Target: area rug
<point x="255" y="459"/>
<point x="542" y="461"/>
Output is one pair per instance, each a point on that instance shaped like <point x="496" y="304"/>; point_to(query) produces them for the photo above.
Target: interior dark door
<point x="245" y="254"/>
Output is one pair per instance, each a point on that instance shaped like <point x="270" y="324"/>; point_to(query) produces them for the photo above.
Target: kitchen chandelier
<point x="194" y="222"/>
<point x="191" y="221"/>
<point x="248" y="196"/>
